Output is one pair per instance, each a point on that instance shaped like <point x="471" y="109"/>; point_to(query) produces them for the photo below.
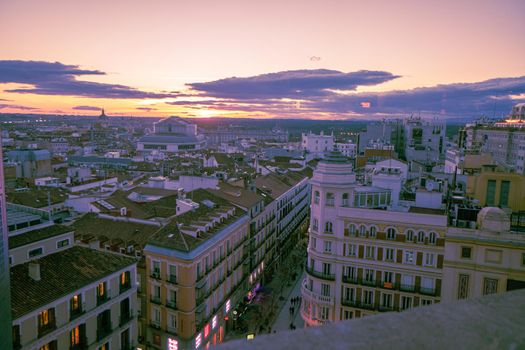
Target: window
<point x="351" y="229"/>
<point x="409" y="236"/>
<point x="427" y="284"/>
<point x="75" y="336"/>
<point x="156" y="316"/>
<point x="368" y="297"/>
<point x="327" y="268"/>
<point x="35" y="252"/>
<point x="324" y="313"/>
<point x="75" y="305"/>
<point x="466" y="252"/>
<point x="409" y="257"/>
<point x="490" y="286"/>
<point x="370" y="252"/>
<point x="463" y="286"/>
<point x="46" y="321"/>
<point x="172" y="274"/>
<point x="125" y="281"/>
<point x="102" y="293"/>
<point x="407" y="282"/>
<point x="432" y="238"/>
<point x="351" y="249"/>
<point x="316" y="197"/>
<point x="430" y="259"/>
<point x="328" y="227"/>
<point x="491" y="193"/>
<point x="347" y="315"/>
<point x="156" y="269"/>
<point x="172" y="322"/>
<point x="426" y="302"/>
<point x="330" y="199"/>
<point x="504" y="194"/>
<point x="315" y="224"/>
<point x="349" y="294"/>
<point x="327" y="247"/>
<point x="325" y="290"/>
<point x="344" y="201"/>
<point x="63" y="243"/>
<point x="389" y="254"/>
<point x="388" y="277"/>
<point x="369" y="275"/>
<point x="391" y="233"/>
<point x="386" y="300"/>
<point x="406" y="302"/>
<point x="373" y="231"/>
<point x="350" y="271"/>
<point x="313" y="242"/>
<point x="420" y="237"/>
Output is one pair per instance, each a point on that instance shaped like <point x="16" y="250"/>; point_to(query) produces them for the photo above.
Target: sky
<point x="265" y="59"/>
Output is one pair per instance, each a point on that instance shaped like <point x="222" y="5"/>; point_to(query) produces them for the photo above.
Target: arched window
<point x="351" y="229"/>
<point x="409" y="236"/>
<point x="391" y="233"/>
<point x="421" y="237"/>
<point x="328" y="227"/>
<point x="330" y="199"/>
<point x="315" y="224"/>
<point x="345" y="202"/>
<point x="362" y="230"/>
<point x="316" y="197"/>
<point x="432" y="238"/>
<point x="373" y="231"/>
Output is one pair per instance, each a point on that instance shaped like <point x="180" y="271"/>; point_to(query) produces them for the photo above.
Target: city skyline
<point x="318" y="60"/>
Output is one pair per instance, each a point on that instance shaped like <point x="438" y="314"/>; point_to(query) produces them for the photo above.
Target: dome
<point x="493" y="219"/>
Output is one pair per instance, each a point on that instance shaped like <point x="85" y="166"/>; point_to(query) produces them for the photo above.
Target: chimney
<point x="34" y="271"/>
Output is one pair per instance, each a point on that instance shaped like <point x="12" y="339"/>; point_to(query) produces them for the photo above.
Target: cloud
<point x="55" y="78"/>
<point x="24" y="108"/>
<point x="87" y="108"/>
<point x="455" y="100"/>
<point x="312" y="92"/>
<point x="146" y="109"/>
<point x="296" y="84"/>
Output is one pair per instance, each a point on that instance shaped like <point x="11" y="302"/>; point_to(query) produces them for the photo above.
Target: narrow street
<point x="284" y="318"/>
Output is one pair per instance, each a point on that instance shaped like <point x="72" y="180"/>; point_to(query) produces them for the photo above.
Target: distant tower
<point x="5" y="300"/>
<point x="103" y="115"/>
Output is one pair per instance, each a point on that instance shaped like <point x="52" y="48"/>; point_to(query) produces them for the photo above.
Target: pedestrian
<point x="291" y="325"/>
<point x="292" y="310"/>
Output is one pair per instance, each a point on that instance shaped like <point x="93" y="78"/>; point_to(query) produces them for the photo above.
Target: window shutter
<point x="440" y="261"/>
<point x="380" y="253"/>
<point x="419" y="259"/>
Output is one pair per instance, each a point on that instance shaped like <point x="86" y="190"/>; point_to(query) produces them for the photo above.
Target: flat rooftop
<point x="490" y="322"/>
<point x="62" y="273"/>
<point x="29" y="237"/>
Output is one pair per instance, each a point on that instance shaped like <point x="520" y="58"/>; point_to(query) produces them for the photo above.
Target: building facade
<point x="363" y="258"/>
<point x="424" y="140"/>
<point x="484" y="260"/>
<point x="317" y="145"/>
<point x="70" y="297"/>
<point x="5" y="304"/>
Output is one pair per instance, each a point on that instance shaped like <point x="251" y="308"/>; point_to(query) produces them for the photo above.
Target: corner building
<point x="366" y="255"/>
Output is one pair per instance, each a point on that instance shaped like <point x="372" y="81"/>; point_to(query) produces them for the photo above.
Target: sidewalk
<point x="283" y="320"/>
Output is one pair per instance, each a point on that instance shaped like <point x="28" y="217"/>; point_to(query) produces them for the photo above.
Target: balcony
<point x="172" y="304"/>
<point x="171" y="279"/>
<point x="101" y="299"/>
<point x="155" y="299"/>
<point x="125" y="317"/>
<point x="318" y="298"/>
<point x="154" y="324"/>
<point x="349" y="302"/>
<point x="124" y="287"/>
<point x="73" y="314"/>
<point x="321" y="275"/>
<point x="407" y="287"/>
<point x="103" y="332"/>
<point x="370" y="283"/>
<point x="48" y="328"/>
<point x="155" y="275"/>
<point x="172" y="331"/>
<point x="82" y="344"/>
<point x="428" y="291"/>
<point x="350" y="279"/>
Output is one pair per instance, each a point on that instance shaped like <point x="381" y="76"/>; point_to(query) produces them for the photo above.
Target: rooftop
<point x="36" y="198"/>
<point x="237" y="195"/>
<point x="172" y="236"/>
<point x="25" y="238"/>
<point x="490" y="322"/>
<point x="91" y="227"/>
<point x="62" y="273"/>
<point x="275" y="185"/>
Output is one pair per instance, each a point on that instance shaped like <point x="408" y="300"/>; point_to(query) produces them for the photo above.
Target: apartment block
<point x="70" y="297"/>
<point x="366" y="255"/>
